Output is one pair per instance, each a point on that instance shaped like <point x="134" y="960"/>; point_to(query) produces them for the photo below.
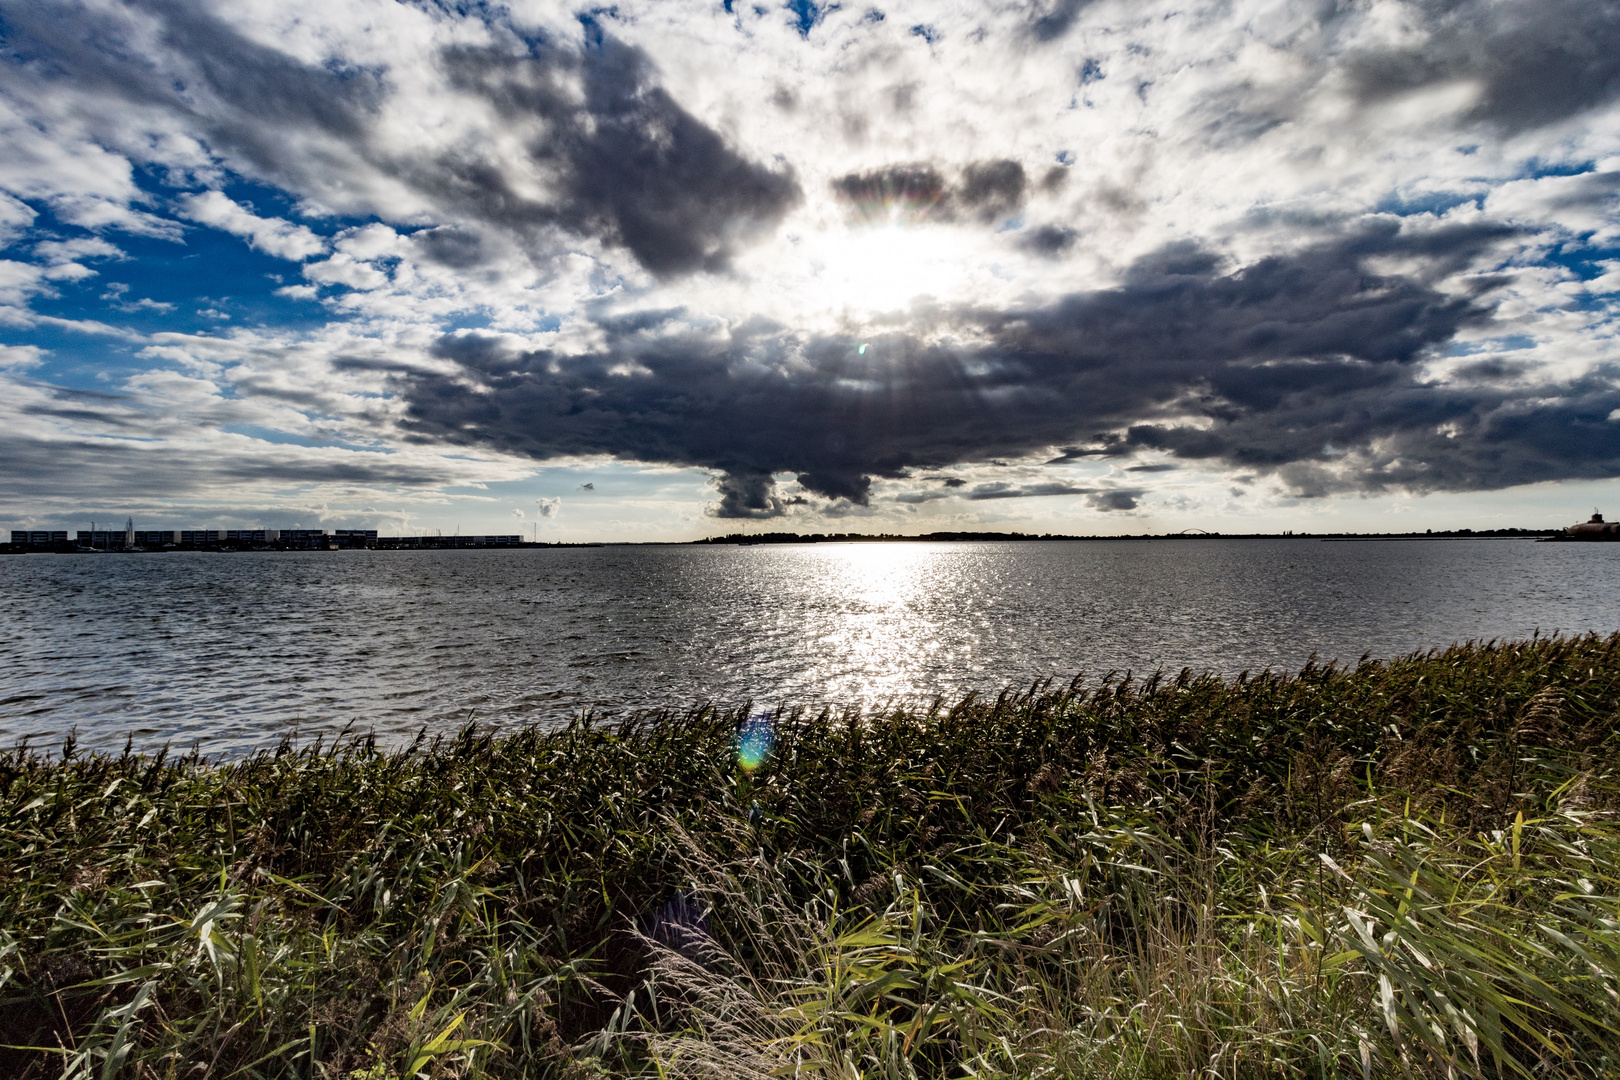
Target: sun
<point x="867" y="270"/>
<point x="831" y="274"/>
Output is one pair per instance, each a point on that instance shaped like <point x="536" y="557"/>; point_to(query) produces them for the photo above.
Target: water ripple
<point x="231" y="651"/>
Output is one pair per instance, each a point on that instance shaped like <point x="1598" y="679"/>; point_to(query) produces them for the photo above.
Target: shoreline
<point x="771" y="539"/>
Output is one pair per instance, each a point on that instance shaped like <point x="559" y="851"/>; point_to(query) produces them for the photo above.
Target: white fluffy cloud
<point x="273" y="236"/>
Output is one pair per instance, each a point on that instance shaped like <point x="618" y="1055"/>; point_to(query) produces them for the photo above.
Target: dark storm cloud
<point x="914" y="190"/>
<point x="1537" y="62"/>
<point x="749" y="495"/>
<point x="1302" y="365"/>
<point x="626" y="162"/>
<point x="1417" y="437"/>
<point x="992" y="189"/>
<point x="985" y="190"/>
<point x="638" y="169"/>
<point x="838" y="484"/>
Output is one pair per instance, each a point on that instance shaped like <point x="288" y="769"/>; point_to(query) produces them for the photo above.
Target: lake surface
<point x="232" y="650"/>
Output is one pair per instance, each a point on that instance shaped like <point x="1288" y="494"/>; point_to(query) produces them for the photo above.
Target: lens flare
<point x="754" y="741"/>
<point x="904" y="195"/>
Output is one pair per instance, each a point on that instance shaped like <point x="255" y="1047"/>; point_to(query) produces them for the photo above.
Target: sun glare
<point x="884" y="268"/>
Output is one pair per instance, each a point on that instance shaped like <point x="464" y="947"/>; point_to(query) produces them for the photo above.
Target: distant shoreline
<point x="756" y="539"/>
<point x="746" y="539"/>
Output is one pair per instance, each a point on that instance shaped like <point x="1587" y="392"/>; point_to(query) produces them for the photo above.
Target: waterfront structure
<point x="39" y="537"/>
<point x="1594" y="528"/>
<point x="157" y="537"/>
<point x="131" y="539"/>
<point x="108" y="539"/>
<point x="103" y="539"/>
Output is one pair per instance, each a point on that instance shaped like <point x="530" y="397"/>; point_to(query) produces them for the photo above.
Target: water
<point x="231" y="651"/>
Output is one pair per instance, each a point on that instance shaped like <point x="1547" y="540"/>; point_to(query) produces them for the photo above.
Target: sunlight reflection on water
<point x="232" y="650"/>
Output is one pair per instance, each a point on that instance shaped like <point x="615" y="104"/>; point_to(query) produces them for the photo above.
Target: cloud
<point x="117" y="294"/>
<point x="1256" y="366"/>
<point x="61" y="257"/>
<point x="919" y="192"/>
<point x="19" y="357"/>
<point x="1025" y="491"/>
<point x="1354" y="249"/>
<point x="163" y="435"/>
<point x="15" y="218"/>
<point x="1056" y="19"/>
<point x="1118" y="500"/>
<point x="564" y="135"/>
<point x="1105" y="499"/>
<point x="273" y="236"/>
<point x="632" y="166"/>
<point x="992" y="189"/>
<point x="57" y="252"/>
<point x="19" y="282"/>
<point x="343" y="269"/>
<point x="1528" y="64"/>
<point x="748" y="495"/>
<point x="548" y="508"/>
<point x="1049" y="240"/>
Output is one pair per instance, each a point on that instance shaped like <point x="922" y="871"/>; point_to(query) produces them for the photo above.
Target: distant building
<point x="106" y="539"/>
<point x="131" y="539"/>
<point x="305" y="539"/>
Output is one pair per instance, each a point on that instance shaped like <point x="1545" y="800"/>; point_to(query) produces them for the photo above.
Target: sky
<point x="661" y="270"/>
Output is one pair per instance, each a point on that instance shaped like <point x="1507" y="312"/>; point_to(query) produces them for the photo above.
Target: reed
<point x="1399" y="868"/>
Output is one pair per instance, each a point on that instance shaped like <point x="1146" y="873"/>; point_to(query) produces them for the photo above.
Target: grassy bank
<point x="1404" y="868"/>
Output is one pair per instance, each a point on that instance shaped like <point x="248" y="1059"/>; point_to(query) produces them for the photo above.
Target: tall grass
<point x="1404" y="868"/>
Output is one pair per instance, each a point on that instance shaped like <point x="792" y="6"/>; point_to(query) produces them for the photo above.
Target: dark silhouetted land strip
<point x="1406" y="867"/>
